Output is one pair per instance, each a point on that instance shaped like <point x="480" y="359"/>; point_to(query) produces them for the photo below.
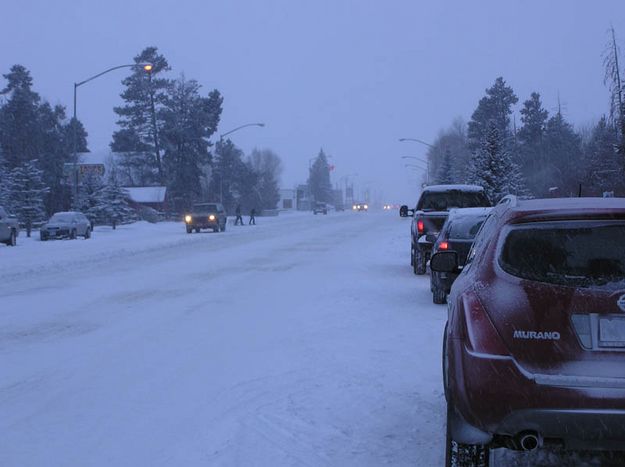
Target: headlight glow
<point x="211" y="217"/>
<point x="188" y="219"/>
<point x="354" y="207"/>
<point x="366" y="206"/>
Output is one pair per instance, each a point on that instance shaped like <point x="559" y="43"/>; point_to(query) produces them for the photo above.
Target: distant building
<point x="288" y="200"/>
<point x="149" y="196"/>
<point x="303" y="198"/>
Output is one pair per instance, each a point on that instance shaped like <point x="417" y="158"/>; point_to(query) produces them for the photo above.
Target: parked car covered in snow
<point x="534" y="347"/>
<point x="430" y="215"/>
<point x="70" y="224"/>
<point x="9" y="228"/>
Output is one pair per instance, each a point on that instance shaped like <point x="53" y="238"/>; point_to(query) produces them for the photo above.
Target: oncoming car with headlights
<point x="360" y="207"/>
<point x="206" y="216"/>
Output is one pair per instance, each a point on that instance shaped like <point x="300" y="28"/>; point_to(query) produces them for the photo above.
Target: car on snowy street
<point x="360" y="207"/>
<point x="430" y="215"/>
<point x="70" y="224"/>
<point x="206" y="216"/>
<point x="534" y="346"/>
<point x="320" y="208"/>
<point x="456" y="235"/>
<point x="9" y="228"/>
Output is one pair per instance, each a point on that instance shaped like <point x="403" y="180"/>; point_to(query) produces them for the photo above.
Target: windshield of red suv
<point x="579" y="253"/>
<point x="446" y="200"/>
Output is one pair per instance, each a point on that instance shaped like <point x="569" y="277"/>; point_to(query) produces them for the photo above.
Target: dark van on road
<point x="534" y="347"/>
<point x="431" y="213"/>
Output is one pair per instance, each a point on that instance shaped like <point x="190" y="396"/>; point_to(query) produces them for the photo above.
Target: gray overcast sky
<point x="348" y="76"/>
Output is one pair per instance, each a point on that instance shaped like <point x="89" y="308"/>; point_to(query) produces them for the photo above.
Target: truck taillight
<point x="420" y="226"/>
<point x="443" y="246"/>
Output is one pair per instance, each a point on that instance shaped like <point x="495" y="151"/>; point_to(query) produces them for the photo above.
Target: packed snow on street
<point x="304" y="340"/>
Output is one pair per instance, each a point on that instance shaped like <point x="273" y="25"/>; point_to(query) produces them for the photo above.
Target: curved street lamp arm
<point x="416" y="141"/>
<point x="240" y="128"/>
<point x="143" y="65"/>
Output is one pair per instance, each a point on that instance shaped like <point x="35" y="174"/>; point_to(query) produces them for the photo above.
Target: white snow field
<point x="305" y="340"/>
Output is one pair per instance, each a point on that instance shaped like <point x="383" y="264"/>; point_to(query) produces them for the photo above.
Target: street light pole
<point x="416" y="140"/>
<point x="146" y="66"/>
<point x="427" y="166"/>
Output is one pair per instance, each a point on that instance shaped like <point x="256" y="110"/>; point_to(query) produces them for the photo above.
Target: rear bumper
<point x="576" y="428"/>
<point x="494" y="395"/>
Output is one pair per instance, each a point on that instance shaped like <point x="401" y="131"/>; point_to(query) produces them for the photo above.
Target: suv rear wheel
<point x="463" y="455"/>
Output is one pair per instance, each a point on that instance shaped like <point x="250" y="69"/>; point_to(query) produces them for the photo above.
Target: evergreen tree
<point x="113" y="203"/>
<point x="445" y="172"/>
<point x="564" y="156"/>
<point x="4" y="185"/>
<point x="319" y="179"/>
<point x="454" y="140"/>
<point x="531" y="149"/>
<point x="493" y="168"/>
<point x="32" y="129"/>
<point x="602" y="169"/>
<point x="495" y="107"/>
<point x="189" y="120"/>
<point x="228" y="168"/>
<point x="268" y="166"/>
<point x="139" y="118"/>
<point x="26" y="194"/>
<point x="89" y="198"/>
<point x="19" y="119"/>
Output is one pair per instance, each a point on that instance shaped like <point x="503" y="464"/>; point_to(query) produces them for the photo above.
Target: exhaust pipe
<point x="529" y="441"/>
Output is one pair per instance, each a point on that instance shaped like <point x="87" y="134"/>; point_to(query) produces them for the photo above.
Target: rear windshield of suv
<point x="580" y="254"/>
<point x="446" y="200"/>
<point x="465" y="228"/>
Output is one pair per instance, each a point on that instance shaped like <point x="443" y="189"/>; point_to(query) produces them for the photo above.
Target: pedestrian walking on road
<point x="253" y="217"/>
<point x="239" y="219"/>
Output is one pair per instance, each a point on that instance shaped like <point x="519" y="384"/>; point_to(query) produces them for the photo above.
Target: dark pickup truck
<point x="206" y="216"/>
<point x="9" y="228"/>
<point x="431" y="213"/>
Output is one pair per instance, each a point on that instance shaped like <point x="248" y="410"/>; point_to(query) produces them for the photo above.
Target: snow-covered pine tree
<point x="445" y="173"/>
<point x="88" y="200"/>
<point x="113" y="203"/>
<point x="493" y="168"/>
<point x="601" y="163"/>
<point x="4" y="184"/>
<point x="531" y="147"/>
<point x="319" y="179"/>
<point x="27" y="193"/>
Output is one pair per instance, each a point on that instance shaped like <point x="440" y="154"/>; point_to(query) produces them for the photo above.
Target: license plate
<point x="612" y="331"/>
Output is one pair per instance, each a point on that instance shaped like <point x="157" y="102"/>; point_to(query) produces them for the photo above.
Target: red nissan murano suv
<point x="534" y="347"/>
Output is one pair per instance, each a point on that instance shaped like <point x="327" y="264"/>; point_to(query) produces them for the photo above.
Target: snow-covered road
<point x="305" y="340"/>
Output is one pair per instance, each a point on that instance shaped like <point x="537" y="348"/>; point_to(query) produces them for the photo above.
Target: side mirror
<point x="444" y="261"/>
